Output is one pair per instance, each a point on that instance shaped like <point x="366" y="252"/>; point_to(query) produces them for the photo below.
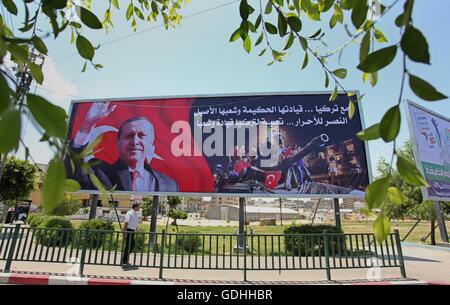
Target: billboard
<point x="431" y="142"/>
<point x="259" y="145"/>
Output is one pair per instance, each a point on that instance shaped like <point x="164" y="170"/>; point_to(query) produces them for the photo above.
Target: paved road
<point x="422" y="263"/>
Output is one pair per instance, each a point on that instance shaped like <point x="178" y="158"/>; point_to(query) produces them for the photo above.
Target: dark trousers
<point x="129" y="245"/>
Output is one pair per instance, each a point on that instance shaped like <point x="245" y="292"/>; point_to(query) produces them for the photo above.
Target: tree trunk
<point x="432" y="236"/>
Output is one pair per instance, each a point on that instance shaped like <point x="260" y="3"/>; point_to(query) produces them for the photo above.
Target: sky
<point x="197" y="58"/>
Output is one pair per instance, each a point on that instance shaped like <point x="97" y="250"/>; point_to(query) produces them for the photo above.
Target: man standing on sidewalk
<point x="129" y="228"/>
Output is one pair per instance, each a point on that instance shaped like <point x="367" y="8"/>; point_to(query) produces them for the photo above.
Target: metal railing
<point x="246" y="252"/>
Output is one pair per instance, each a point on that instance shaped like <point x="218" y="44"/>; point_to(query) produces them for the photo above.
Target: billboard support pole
<point x="441" y="221"/>
<point x="337" y="213"/>
<point x="154" y="215"/>
<point x="241" y="221"/>
<point x="93" y="209"/>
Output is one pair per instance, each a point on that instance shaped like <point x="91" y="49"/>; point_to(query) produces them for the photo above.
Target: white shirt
<point x="132" y="218"/>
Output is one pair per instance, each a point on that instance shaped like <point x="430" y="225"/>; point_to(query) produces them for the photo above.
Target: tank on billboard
<point x="431" y="134"/>
<point x="277" y="145"/>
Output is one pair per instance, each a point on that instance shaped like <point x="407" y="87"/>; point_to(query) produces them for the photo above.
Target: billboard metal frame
<point x="236" y="195"/>
<point x="425" y="193"/>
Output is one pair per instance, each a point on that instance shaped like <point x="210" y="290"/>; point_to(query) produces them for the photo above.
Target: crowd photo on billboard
<point x="287" y="144"/>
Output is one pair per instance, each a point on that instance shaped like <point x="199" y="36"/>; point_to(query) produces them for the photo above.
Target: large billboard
<point x="431" y="136"/>
<point x="278" y="145"/>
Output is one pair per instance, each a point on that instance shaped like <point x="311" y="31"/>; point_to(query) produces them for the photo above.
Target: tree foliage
<point x="68" y="206"/>
<point x="262" y="26"/>
<point x="18" y="180"/>
<point x="412" y="205"/>
<point x="147" y="203"/>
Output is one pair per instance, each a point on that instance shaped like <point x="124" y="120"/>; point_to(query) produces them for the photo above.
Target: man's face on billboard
<point x="135" y="142"/>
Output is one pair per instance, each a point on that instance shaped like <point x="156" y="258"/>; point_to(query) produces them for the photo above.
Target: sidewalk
<point x="423" y="265"/>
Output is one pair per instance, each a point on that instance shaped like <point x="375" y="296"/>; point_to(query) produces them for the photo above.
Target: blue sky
<point x="196" y="58"/>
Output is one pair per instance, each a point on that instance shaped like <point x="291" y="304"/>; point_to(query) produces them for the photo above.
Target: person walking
<point x="129" y="229"/>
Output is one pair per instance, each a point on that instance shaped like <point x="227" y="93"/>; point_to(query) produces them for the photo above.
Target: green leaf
<point x="351" y="109"/>
<point x="236" y="35"/>
<point x="36" y="72"/>
<point x="243" y="9"/>
<point x="370" y="133"/>
<point x="305" y="61"/>
<point x="85" y="48"/>
<point x="247" y="44"/>
<point x="71" y="185"/>
<point x="50" y="117"/>
<point x="5" y="91"/>
<point x="409" y="172"/>
<point x="268" y="8"/>
<point x="40" y="45"/>
<point x="260" y="39"/>
<point x="129" y="11"/>
<point x="365" y="47"/>
<point x="341" y="73"/>
<point x="396" y="196"/>
<point x="18" y="52"/>
<point x="359" y="13"/>
<point x="289" y="41"/>
<point x="327" y="79"/>
<point x="89" y="18"/>
<point x="378" y="59"/>
<point x="294" y="23"/>
<point x="303" y="43"/>
<point x="262" y="52"/>
<point x="116" y="3"/>
<point x="376" y="193"/>
<point x="97" y="183"/>
<point x="53" y="187"/>
<point x="415" y="45"/>
<point x="381" y="228"/>
<point x="390" y="124"/>
<point x="282" y="25"/>
<point x="334" y="94"/>
<point x="270" y="28"/>
<point x="55" y="4"/>
<point x="10" y="6"/>
<point x="278" y="56"/>
<point x="10" y="126"/>
<point x="258" y="21"/>
<point x="379" y="36"/>
<point x="424" y="90"/>
<point x="243" y="29"/>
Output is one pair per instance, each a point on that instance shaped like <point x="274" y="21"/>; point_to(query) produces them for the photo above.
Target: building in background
<point x="252" y="213"/>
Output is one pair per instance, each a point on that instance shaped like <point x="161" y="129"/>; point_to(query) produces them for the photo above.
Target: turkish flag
<point x="271" y="179"/>
<point x="192" y="173"/>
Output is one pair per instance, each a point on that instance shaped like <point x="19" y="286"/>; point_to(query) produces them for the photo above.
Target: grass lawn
<point x="421" y="230"/>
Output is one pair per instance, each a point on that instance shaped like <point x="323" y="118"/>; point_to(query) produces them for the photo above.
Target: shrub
<point x="140" y="239"/>
<point x="53" y="236"/>
<point x="68" y="206"/>
<point x="305" y="244"/>
<point x="35" y="219"/>
<point x="99" y="233"/>
<point x="190" y="243"/>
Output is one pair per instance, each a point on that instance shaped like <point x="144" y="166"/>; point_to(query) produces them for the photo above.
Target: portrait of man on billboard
<point x="135" y="147"/>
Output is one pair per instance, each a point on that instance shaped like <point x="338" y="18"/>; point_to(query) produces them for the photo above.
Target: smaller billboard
<point x="431" y="142"/>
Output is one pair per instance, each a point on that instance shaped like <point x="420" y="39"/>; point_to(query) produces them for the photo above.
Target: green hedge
<point x="35" y="219"/>
<point x="59" y="238"/>
<point x="313" y="245"/>
<point x="96" y="238"/>
<point x="189" y="243"/>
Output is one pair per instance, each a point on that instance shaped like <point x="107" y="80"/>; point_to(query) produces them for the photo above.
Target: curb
<point x="33" y="279"/>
